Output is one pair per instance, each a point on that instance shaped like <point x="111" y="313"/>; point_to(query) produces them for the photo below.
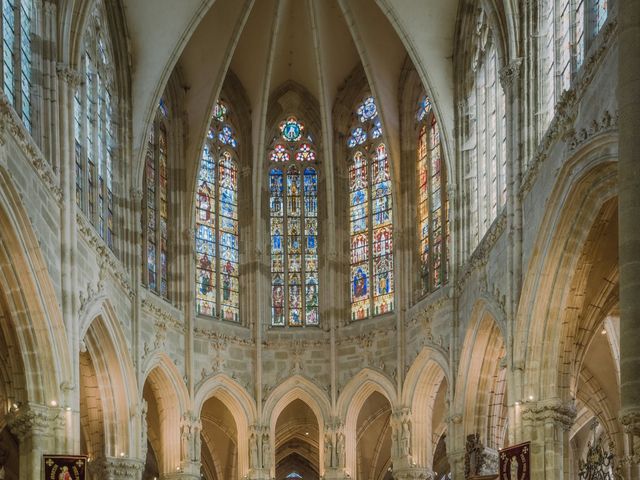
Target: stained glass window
<point x="17" y="20"/>
<point x="293" y="202"/>
<point x="217" y="248"/>
<point x="433" y="221"/>
<point x="371" y="216"/>
<point x="156" y="203"/>
<point x="94" y="129"/>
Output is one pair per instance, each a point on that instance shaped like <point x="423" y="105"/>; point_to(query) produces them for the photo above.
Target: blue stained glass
<point x="376" y="131"/>
<point x="424" y="107"/>
<point x="358" y="137"/>
<point x="291" y="130"/>
<point x="360" y="283"/>
<point x="367" y="110"/>
<point x="227" y="137"/>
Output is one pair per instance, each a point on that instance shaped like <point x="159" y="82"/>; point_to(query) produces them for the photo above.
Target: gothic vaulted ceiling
<point x="315" y="43"/>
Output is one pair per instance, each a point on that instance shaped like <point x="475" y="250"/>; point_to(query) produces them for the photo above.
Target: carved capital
<point x="510" y="72"/>
<point x="562" y="415"/>
<point x="34" y="420"/>
<point x="630" y="420"/>
<point x="68" y="74"/>
<point x="121" y="468"/>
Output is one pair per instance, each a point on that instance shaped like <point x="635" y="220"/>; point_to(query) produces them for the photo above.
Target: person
<point x="205" y="281"/>
<point x="226" y="280"/>
<point x="204" y="204"/>
<point x="360" y="284"/>
<point x="64" y="474"/>
<point x="278" y="302"/>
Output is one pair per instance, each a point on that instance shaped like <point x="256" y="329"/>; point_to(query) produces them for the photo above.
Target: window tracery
<point x="293" y="202"/>
<point x="217" y="247"/>
<point x="562" y="44"/>
<point x="94" y="128"/>
<point x="370" y="211"/>
<point x="156" y="203"/>
<point x="484" y="137"/>
<point x="17" y="25"/>
<point x="433" y="206"/>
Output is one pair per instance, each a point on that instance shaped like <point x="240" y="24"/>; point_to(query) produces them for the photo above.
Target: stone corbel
<point x="510" y="73"/>
<point x="68" y="75"/>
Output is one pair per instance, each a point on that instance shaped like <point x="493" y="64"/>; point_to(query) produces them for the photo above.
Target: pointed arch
<point x="293" y="388"/>
<point x="481" y="377"/>
<point x="240" y="404"/>
<point x="106" y="344"/>
<point x="351" y="400"/>
<point x="30" y="303"/>
<point x="172" y="399"/>
<point x="584" y="184"/>
<point x="421" y="385"/>
<point x="297" y="387"/>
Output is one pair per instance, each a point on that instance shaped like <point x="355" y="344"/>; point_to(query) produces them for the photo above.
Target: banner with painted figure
<point x="64" y="467"/>
<point x="514" y="462"/>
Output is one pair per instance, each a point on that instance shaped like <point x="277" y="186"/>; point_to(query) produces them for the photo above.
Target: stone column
<point x="260" y="453"/>
<point x="40" y="430"/>
<point x="116" y="468"/>
<point x="547" y="425"/>
<point x="629" y="233"/>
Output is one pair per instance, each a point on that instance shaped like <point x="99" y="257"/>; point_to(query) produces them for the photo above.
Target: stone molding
<point x="109" y="263"/>
<point x="561" y="125"/>
<point x="480" y="255"/>
<point x="11" y="127"/>
<point x="607" y="123"/>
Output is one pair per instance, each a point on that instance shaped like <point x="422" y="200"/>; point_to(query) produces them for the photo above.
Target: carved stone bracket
<point x="510" y="72"/>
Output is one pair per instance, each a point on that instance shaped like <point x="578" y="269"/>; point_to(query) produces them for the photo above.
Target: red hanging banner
<point x="64" y="467"/>
<point x="514" y="462"/>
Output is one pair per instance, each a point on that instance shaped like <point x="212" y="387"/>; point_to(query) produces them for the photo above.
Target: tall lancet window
<point x="156" y="202"/>
<point x="484" y="137"/>
<point x="94" y="128"/>
<point x="17" y="23"/>
<point x="217" y="255"/>
<point x="371" y="221"/>
<point x="433" y="207"/>
<point x="293" y="202"/>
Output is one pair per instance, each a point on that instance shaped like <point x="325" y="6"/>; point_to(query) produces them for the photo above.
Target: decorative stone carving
<point x="510" y="72"/>
<point x="116" y="468"/>
<point x="401" y="437"/>
<point x="607" y="123"/>
<point x="31" y="419"/>
<point x="563" y="415"/>
<point x="479" y="460"/>
<point x="190" y="428"/>
<point x="11" y="126"/>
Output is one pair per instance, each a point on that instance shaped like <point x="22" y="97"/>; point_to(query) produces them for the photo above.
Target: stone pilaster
<point x="404" y="467"/>
<point x="114" y="468"/>
<point x="190" y="445"/>
<point x="547" y="425"/>
<point x="40" y="430"/>
<point x="334" y="452"/>
<point x="628" y="214"/>
<point x="261" y="455"/>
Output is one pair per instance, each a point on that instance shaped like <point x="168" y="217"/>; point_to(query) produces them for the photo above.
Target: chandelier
<point x="599" y="464"/>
